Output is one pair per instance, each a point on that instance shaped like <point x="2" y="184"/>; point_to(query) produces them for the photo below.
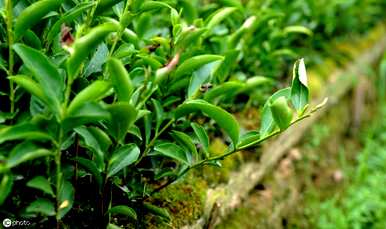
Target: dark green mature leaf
<point x="94" y="92"/>
<point x="173" y="151"/>
<point x="157" y="211"/>
<point x="45" y="72"/>
<point x="224" y="119"/>
<point x="25" y="131"/>
<point x="5" y="187"/>
<point x="42" y="206"/>
<point x="193" y="63"/>
<point x="159" y="114"/>
<point x="83" y="46"/>
<point x="299" y="88"/>
<point x="281" y="112"/>
<point x="97" y="60"/>
<point x="88" y="112"/>
<point x="33" y="14"/>
<point x="267" y="122"/>
<point x="91" y="142"/>
<point x="200" y="77"/>
<point x="91" y="167"/>
<point x="24" y="152"/>
<point x="122" y="158"/>
<point x="66" y="198"/>
<point x="123" y="210"/>
<point x="121" y="79"/>
<point x="123" y="116"/>
<point x="186" y="142"/>
<point x="41" y="183"/>
<point x="202" y="137"/>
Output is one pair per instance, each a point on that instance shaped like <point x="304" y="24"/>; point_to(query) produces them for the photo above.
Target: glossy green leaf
<point x="281" y="112"/>
<point x="42" y="206"/>
<point x="153" y="5"/>
<point x="267" y="122"/>
<point x="88" y="112"/>
<point x="41" y="183"/>
<point x="6" y="185"/>
<point x="83" y="46"/>
<point x="249" y="139"/>
<point x="163" y="213"/>
<point x="122" y="158"/>
<point x="123" y="115"/>
<point x="97" y="60"/>
<point x="173" y="151"/>
<point x="202" y="137"/>
<point x="66" y="198"/>
<point x="159" y="114"/>
<point x="24" y="152"/>
<point x="105" y="4"/>
<point x="121" y="79"/>
<point x="225" y="89"/>
<point x="31" y="86"/>
<point x="186" y="142"/>
<point x="123" y="210"/>
<point x="299" y="88"/>
<point x="23" y="131"/>
<point x="45" y="72"/>
<point x="193" y="63"/>
<point x="224" y="119"/>
<point x="31" y="39"/>
<point x="31" y="15"/>
<point x="218" y="16"/>
<point x="297" y="29"/>
<point x="94" y="92"/>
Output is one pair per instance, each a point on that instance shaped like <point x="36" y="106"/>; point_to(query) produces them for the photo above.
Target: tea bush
<point x="106" y="102"/>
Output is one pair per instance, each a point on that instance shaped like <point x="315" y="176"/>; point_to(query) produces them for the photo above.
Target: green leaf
<point x="5" y="187"/>
<point x="153" y="5"/>
<point x="91" y="167"/>
<point x="123" y="210"/>
<point x="297" y="29"/>
<point x="225" y="89"/>
<point x="42" y="184"/>
<point x="186" y="142"/>
<point x="299" y="88"/>
<point x="173" y="151"/>
<point x="83" y="46"/>
<point x="224" y="119"/>
<point x="24" y="152"/>
<point x="42" y="206"/>
<point x="249" y="139"/>
<point x="193" y="63"/>
<point x="97" y="60"/>
<point x="91" y="142"/>
<point x="200" y="77"/>
<point x="267" y="122"/>
<point x="122" y="158"/>
<point x="105" y="4"/>
<point x="25" y="131"/>
<point x="202" y="137"/>
<point x="31" y="86"/>
<point x="68" y="16"/>
<point x="94" y="92"/>
<point x="31" y="15"/>
<point x="121" y="79"/>
<point x="163" y="213"/>
<point x="159" y="114"/>
<point x="88" y="112"/>
<point x="218" y="16"/>
<point x="252" y="83"/>
<point x="66" y="198"/>
<point x="123" y="116"/>
<point x="45" y="72"/>
<point x="281" y="112"/>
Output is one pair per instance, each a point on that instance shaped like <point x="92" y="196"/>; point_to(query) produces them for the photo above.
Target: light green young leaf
<point x="218" y="16"/>
<point x="173" y="151"/>
<point x="121" y="79"/>
<point x="225" y="89"/>
<point x="224" y="119"/>
<point x="41" y="183"/>
<point x="123" y="210"/>
<point x="299" y="88"/>
<point x="42" y="206"/>
<point x="297" y="29"/>
<point x="5" y="187"/>
<point x="122" y="158"/>
<point x="193" y="63"/>
<point x="281" y="112"/>
<point x="93" y="92"/>
<point x="31" y="86"/>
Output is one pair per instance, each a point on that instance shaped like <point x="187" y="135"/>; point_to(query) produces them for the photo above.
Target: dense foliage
<point x="104" y="103"/>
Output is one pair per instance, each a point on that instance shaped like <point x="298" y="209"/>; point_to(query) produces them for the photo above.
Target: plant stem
<point x="58" y="157"/>
<point x="9" y="16"/>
